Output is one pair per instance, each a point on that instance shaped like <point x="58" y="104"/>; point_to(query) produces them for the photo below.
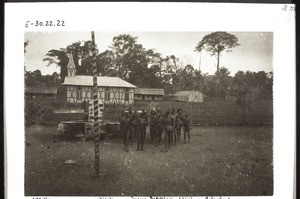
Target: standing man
<point x="186" y="127"/>
<point x="178" y="119"/>
<point x="173" y="133"/>
<point x="168" y="128"/>
<point x="140" y="127"/>
<point x="126" y="129"/>
<point x="160" y="126"/>
<point x="131" y="131"/>
<point x="152" y="125"/>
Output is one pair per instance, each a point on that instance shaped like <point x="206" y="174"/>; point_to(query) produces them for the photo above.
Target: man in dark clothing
<point x="131" y="131"/>
<point x="126" y="129"/>
<point x="173" y="133"/>
<point x="186" y="127"/>
<point x="178" y="123"/>
<point x="159" y="127"/>
<point x="140" y="127"/>
<point x="167" y="129"/>
<point x="153" y="125"/>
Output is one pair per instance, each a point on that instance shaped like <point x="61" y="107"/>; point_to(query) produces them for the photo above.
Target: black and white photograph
<point x="150" y="112"/>
<point x="175" y="109"/>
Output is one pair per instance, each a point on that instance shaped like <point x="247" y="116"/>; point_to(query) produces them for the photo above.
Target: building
<point x="111" y="90"/>
<point x="46" y="92"/>
<point x="149" y="94"/>
<point x="189" y="96"/>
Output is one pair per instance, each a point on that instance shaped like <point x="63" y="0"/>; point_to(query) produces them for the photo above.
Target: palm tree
<point x="223" y="78"/>
<point x="60" y="59"/>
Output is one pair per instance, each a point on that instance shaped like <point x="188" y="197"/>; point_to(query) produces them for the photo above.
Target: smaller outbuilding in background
<point x="46" y="92"/>
<point x="189" y="96"/>
<point x="149" y="94"/>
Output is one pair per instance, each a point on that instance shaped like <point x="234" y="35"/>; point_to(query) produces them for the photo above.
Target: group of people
<point x="169" y="124"/>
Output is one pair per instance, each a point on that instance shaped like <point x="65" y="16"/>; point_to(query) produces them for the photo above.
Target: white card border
<point x="235" y="17"/>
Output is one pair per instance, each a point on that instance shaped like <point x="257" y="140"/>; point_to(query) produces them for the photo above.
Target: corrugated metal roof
<point x="183" y="93"/>
<point x="83" y="80"/>
<point x="149" y="91"/>
<point x="40" y="89"/>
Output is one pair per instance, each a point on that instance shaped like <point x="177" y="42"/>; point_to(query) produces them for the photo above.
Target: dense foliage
<point x="36" y="78"/>
<point x="215" y="43"/>
<point x="128" y="59"/>
<point x="36" y="111"/>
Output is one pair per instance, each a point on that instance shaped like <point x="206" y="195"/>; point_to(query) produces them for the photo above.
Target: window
<point x="107" y="94"/>
<point x="126" y="94"/>
<point x="79" y="93"/>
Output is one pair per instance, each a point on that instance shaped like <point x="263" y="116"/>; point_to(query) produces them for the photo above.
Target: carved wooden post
<point x="96" y="126"/>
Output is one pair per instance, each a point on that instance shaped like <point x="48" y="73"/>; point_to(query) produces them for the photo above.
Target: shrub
<point x="36" y="111"/>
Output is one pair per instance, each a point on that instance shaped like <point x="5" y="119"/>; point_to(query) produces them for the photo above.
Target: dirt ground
<point x="219" y="161"/>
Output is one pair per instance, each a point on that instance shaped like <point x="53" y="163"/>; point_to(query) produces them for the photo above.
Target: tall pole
<point x="200" y="69"/>
<point x="95" y="106"/>
<point x="200" y="62"/>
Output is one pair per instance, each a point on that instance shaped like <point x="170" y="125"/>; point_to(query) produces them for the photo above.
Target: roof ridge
<point x="105" y="81"/>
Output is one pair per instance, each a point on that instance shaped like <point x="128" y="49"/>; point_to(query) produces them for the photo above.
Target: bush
<point x="36" y="111"/>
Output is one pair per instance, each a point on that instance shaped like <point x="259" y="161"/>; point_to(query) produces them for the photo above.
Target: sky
<point x="255" y="52"/>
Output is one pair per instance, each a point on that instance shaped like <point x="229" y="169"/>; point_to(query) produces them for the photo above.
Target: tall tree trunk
<point x="218" y="75"/>
<point x="218" y="63"/>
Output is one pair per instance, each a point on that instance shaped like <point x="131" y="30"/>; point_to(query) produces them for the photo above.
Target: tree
<point x="125" y="58"/>
<point x="105" y="64"/>
<point x="224" y="80"/>
<point x="169" y="73"/>
<point x="187" y="76"/>
<point x="60" y="59"/>
<point x="215" y="43"/>
<point x="177" y="75"/>
<point x="82" y="54"/>
<point x="258" y="85"/>
<point x="129" y="60"/>
<point x="35" y="78"/>
<point x="123" y="48"/>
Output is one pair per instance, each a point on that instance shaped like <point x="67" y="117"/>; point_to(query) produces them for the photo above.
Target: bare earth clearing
<point x="218" y="161"/>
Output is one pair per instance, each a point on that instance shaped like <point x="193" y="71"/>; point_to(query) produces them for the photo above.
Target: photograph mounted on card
<point x="151" y="99"/>
<point x="152" y="87"/>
